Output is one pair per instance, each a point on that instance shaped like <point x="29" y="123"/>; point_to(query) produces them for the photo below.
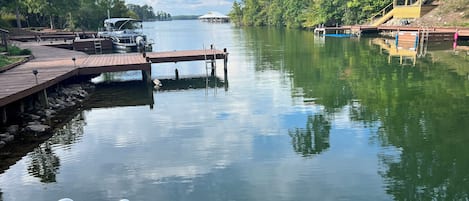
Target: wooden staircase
<point x="411" y="11"/>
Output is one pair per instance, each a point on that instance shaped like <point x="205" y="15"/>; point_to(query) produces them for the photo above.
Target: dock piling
<point x="42" y="96"/>
<point x="146" y="75"/>
<point x="225" y="61"/>
<point x="4" y="115"/>
<point x="176" y="74"/>
<point x="22" y="106"/>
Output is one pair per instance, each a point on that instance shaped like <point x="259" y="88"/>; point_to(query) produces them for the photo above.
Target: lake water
<point x="296" y="118"/>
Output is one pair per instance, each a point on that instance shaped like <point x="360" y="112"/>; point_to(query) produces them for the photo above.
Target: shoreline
<point x="37" y="120"/>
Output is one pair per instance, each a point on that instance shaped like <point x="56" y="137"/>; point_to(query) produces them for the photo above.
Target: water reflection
<point x="421" y="113"/>
<point x="314" y="139"/>
<point x="191" y="83"/>
<point x="371" y="130"/>
<point x="44" y="163"/>
<point x="120" y="93"/>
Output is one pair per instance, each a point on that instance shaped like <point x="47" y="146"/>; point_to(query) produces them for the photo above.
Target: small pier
<point x="53" y="65"/>
<point x="356" y="30"/>
<point x="186" y="55"/>
<point x="434" y="33"/>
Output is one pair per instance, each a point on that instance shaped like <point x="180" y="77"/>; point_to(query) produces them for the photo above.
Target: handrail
<point x="382" y="12"/>
<point x="4" y="31"/>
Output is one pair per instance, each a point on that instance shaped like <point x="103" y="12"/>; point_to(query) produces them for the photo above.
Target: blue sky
<point x="187" y="7"/>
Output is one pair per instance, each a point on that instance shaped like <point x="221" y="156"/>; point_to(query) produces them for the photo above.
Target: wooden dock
<point x="355" y="29"/>
<point x="186" y="55"/>
<point x="55" y="65"/>
<point x="435" y="33"/>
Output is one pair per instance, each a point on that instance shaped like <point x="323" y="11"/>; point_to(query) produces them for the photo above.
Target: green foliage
<point x="4" y="60"/>
<point x="304" y="13"/>
<point x="15" y="51"/>
<point x="146" y="12"/>
<point x="70" y="14"/>
<point x="6" y="19"/>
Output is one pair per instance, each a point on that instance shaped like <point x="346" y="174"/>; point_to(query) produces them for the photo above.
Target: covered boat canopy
<point x="112" y="24"/>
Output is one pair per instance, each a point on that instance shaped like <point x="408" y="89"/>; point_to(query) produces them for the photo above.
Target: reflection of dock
<point x="404" y="50"/>
<point x="120" y="94"/>
<point x="192" y="83"/>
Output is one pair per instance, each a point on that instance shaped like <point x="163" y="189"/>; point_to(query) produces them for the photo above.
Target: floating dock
<point x="54" y="65"/>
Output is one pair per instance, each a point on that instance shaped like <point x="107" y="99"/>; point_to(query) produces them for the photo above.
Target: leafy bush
<point x="7" y="20"/>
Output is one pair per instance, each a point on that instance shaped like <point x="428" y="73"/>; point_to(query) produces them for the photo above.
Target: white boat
<point x="126" y="34"/>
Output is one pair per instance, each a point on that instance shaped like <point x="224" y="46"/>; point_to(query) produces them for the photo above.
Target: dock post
<point x="146" y="73"/>
<point x="43" y="98"/>
<point x="22" y="106"/>
<point x="225" y="61"/>
<point x="213" y="61"/>
<point x="4" y="115"/>
<point x="176" y="74"/>
<point x="213" y="67"/>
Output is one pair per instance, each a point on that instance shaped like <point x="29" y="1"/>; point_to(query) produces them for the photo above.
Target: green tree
<point x="236" y="13"/>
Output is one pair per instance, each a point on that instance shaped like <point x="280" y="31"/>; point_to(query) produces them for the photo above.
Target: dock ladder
<point x="212" y="61"/>
<point x="424" y="35"/>
<point x="98" y="46"/>
<point x="210" y="56"/>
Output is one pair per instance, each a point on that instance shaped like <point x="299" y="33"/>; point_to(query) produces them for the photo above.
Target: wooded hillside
<point x="310" y="13"/>
<point x="304" y="13"/>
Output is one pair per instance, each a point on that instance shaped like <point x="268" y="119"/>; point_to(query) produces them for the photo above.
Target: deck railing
<point x="410" y="9"/>
<point x="381" y="13"/>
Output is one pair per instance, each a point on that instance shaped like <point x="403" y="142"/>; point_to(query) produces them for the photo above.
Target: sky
<point x="186" y="7"/>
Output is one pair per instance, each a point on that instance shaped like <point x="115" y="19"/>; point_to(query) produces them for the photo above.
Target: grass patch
<point x="16" y="51"/>
<point x="4" y="60"/>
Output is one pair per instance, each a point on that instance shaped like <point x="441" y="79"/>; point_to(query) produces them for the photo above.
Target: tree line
<point x="71" y="14"/>
<point x="304" y="13"/>
<point x="146" y="13"/>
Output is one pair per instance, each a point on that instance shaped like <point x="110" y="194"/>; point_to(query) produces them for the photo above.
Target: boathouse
<point x="214" y="17"/>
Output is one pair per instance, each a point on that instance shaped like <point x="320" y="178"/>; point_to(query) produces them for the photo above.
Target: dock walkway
<point x="55" y="65"/>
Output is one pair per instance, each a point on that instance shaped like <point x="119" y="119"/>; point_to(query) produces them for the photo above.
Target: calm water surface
<point x="297" y="118"/>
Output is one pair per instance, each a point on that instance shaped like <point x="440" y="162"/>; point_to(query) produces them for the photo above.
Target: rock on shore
<point x="35" y="121"/>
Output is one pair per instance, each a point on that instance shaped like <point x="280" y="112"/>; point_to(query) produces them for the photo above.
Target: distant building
<point x="216" y="17"/>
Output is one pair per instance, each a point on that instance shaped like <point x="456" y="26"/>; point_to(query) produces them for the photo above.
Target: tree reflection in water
<point x="314" y="139"/>
<point x="44" y="163"/>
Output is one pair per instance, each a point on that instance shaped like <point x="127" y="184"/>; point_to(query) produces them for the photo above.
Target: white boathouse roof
<point x="214" y="15"/>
